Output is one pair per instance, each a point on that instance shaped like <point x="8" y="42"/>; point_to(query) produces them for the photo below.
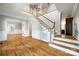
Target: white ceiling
<point x="67" y="9"/>
<point x="15" y="9"/>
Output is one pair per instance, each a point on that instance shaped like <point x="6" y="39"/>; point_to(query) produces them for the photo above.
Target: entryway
<point x="67" y="26"/>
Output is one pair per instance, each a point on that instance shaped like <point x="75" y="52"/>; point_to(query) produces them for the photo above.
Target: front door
<point x="69" y="26"/>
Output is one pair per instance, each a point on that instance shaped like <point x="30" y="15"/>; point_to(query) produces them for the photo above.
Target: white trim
<point x="64" y="50"/>
<point x="67" y="44"/>
<point x="67" y="40"/>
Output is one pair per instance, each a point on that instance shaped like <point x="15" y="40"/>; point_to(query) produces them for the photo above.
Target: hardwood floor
<point x="17" y="45"/>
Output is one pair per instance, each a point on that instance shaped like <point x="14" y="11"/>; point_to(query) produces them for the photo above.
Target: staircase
<point x="46" y="23"/>
<point x="66" y="45"/>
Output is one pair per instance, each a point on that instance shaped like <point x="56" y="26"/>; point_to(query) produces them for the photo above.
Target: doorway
<point x="67" y="26"/>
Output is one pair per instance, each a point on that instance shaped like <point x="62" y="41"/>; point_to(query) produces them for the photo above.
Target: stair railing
<point x="44" y="24"/>
<point x="49" y="20"/>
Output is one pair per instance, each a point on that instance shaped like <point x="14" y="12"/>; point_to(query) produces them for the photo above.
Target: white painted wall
<point x="3" y="33"/>
<point x="25" y="29"/>
<point x="63" y="23"/>
<point x="45" y="35"/>
<point x="14" y="28"/>
<point x="76" y="21"/>
<point x="20" y="27"/>
<point x="35" y="28"/>
<point x="38" y="32"/>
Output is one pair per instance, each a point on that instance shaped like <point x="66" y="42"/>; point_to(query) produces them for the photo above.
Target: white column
<point x="3" y="31"/>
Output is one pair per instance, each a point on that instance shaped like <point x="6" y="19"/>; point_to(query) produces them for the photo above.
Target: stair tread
<point x="73" y="49"/>
<point x="67" y="42"/>
<point x="64" y="49"/>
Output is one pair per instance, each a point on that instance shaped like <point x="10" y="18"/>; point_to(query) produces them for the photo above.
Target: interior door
<point x="69" y="25"/>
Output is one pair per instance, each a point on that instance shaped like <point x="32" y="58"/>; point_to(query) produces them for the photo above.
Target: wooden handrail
<point x="46" y="24"/>
<point x="43" y="23"/>
<point x="49" y="20"/>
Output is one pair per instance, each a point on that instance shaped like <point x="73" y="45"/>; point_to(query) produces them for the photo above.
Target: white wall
<point x="25" y="29"/>
<point x="38" y="32"/>
<point x="14" y="28"/>
<point x="76" y="22"/>
<point x="3" y="34"/>
<point x="45" y="35"/>
<point x="63" y="23"/>
<point x="35" y="28"/>
<point x="20" y="27"/>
